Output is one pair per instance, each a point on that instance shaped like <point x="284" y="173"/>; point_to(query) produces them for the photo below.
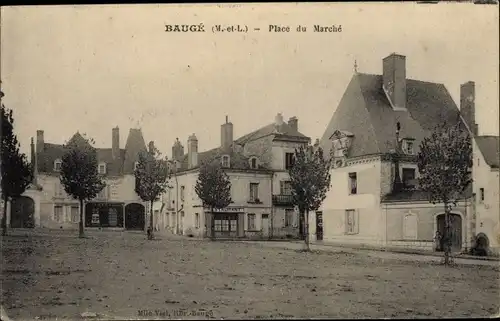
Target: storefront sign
<point x="228" y="210"/>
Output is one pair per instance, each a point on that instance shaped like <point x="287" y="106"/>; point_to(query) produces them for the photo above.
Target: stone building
<point x="257" y="165"/>
<point x="363" y="207"/>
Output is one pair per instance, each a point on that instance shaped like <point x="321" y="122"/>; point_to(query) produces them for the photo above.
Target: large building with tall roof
<point x="257" y="165"/>
<point x="116" y="206"/>
<point x="377" y="116"/>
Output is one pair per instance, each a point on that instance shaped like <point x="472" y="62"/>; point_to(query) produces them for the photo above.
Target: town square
<point x="201" y="174"/>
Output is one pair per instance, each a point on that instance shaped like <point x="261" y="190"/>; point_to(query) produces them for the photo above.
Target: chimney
<point x="278" y="121"/>
<point x="115" y="142"/>
<point x="34" y="166"/>
<point x="151" y="147"/>
<point x="226" y="134"/>
<point x="293" y="122"/>
<point x="468" y="105"/>
<point x="39" y="141"/>
<point x="394" y="80"/>
<point x="192" y="151"/>
<point x="177" y="150"/>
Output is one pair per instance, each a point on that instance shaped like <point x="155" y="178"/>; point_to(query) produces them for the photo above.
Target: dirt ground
<point x="122" y="275"/>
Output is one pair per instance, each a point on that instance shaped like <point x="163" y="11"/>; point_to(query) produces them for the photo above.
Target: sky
<point x="91" y="68"/>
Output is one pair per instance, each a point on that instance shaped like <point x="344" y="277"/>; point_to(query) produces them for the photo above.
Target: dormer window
<point x="408" y="146"/>
<point x="57" y="165"/>
<point x="253" y="163"/>
<point x="102" y="168"/>
<point x="341" y="141"/>
<point x="225" y="161"/>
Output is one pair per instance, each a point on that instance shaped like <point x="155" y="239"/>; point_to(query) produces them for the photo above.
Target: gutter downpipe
<point x="272" y="206"/>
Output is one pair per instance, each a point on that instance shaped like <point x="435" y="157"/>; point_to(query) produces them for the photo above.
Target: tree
<point x="16" y="171"/>
<point x="79" y="174"/>
<point x="213" y="187"/>
<point x="444" y="163"/>
<point x="310" y="181"/>
<point x="151" y="180"/>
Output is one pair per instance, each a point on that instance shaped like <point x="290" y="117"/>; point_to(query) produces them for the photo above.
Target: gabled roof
<point x="365" y="111"/>
<point x="284" y="130"/>
<point x="114" y="167"/>
<point x="490" y="148"/>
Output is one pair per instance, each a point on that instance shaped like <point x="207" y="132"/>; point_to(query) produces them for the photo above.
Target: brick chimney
<point x="468" y="105"/>
<point x="226" y="134"/>
<point x="40" y="142"/>
<point x="34" y="166"/>
<point x="115" y="142"/>
<point x="394" y="80"/>
<point x="192" y="151"/>
<point x="151" y="147"/>
<point x="293" y="122"/>
<point x="278" y="122"/>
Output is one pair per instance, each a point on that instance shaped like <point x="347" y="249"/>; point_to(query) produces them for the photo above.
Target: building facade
<point x="257" y="166"/>
<point x="117" y="206"/>
<point x="375" y="200"/>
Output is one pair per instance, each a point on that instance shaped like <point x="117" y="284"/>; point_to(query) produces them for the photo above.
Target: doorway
<point x="265" y="225"/>
<point x="455" y="231"/>
<point x="22" y="212"/>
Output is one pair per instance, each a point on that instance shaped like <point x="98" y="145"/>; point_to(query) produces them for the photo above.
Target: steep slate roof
<point x="237" y="159"/>
<point x="284" y="130"/>
<point x="490" y="148"/>
<point x="114" y="167"/>
<point x="365" y="111"/>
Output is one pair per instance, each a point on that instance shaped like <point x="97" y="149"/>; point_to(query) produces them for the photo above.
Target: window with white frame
<point x="58" y="214"/>
<point x="286" y="188"/>
<point x="102" y="168"/>
<point x="353" y="183"/>
<point x="351" y="222"/>
<point x="251" y="221"/>
<point x="197" y="220"/>
<point x="183" y="188"/>
<point x="289" y="160"/>
<point x="57" y="165"/>
<point x="254" y="192"/>
<point x="225" y="161"/>
<point x="408" y="147"/>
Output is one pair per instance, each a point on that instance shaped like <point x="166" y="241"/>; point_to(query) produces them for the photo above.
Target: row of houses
<point x="362" y="206"/>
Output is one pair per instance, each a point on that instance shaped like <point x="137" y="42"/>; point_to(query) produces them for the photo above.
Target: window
<point x="353" y="183"/>
<point x="59" y="190"/>
<point x="167" y="219"/>
<point x="197" y="220"/>
<point x="286" y="188"/>
<point x="408" y="147"/>
<point x="182" y="192"/>
<point x="289" y="160"/>
<point x="102" y="168"/>
<point x="251" y="222"/>
<point x="289" y="214"/>
<point x="254" y="192"/>
<point x="351" y="222"/>
<point x="225" y="161"/>
<point x="253" y="163"/>
<point x="75" y="214"/>
<point x="135" y="165"/>
<point x="58" y="214"/>
<point x="57" y="165"/>
<point x="481" y="192"/>
<point x="409" y="177"/>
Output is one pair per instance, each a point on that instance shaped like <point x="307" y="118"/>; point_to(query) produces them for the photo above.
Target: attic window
<point x="225" y="161"/>
<point x="253" y="163"/>
<point x="57" y="165"/>
<point x="102" y="168"/>
<point x="408" y="146"/>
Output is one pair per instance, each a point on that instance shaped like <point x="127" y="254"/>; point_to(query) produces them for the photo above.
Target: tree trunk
<point x="447" y="236"/>
<point x="4" y="217"/>
<point x="212" y="227"/>
<point x="306" y="230"/>
<point x="151" y="229"/>
<point x="81" y="233"/>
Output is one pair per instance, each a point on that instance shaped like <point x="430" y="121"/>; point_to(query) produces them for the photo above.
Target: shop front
<point x="227" y="223"/>
<point x="104" y="214"/>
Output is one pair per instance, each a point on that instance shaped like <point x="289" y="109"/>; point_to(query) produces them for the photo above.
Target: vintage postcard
<point x="245" y="161"/>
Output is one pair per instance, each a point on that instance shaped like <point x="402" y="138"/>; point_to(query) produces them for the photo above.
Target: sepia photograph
<point x="250" y="161"/>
